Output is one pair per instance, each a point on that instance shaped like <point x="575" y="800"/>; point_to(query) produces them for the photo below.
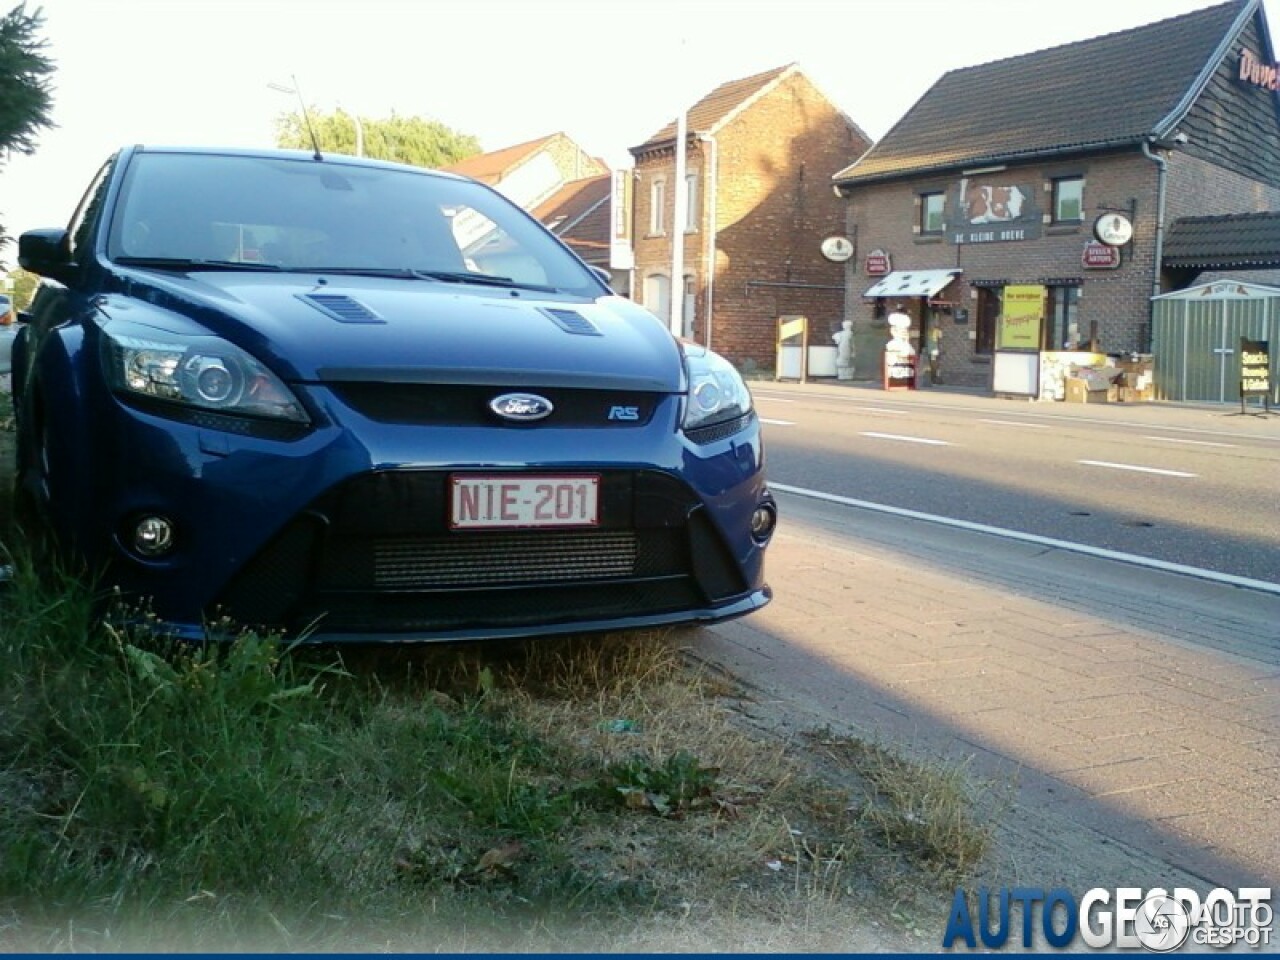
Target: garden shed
<point x="1196" y="334"/>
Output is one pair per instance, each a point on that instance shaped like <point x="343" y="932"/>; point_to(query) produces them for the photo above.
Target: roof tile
<point x="717" y="105"/>
<point x="1109" y="90"/>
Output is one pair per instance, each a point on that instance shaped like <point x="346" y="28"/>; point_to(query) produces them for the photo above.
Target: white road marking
<point x="1131" y="558"/>
<point x="778" y="423"/>
<point x="879" y="410"/>
<point x="766" y="396"/>
<point x="1014" y="423"/>
<point x="1129" y="466"/>
<point x="1198" y="443"/>
<point x="895" y="436"/>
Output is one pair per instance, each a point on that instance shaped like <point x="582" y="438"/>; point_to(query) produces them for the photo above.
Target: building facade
<point x="755" y="205"/>
<point x="1025" y="204"/>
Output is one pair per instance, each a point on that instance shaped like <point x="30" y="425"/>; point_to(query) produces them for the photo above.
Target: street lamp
<point x="296" y="90"/>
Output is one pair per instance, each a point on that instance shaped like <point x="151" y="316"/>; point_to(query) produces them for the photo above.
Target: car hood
<point x="330" y="328"/>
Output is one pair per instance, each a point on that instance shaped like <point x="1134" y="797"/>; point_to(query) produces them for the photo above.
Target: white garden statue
<point x="844" y="350"/>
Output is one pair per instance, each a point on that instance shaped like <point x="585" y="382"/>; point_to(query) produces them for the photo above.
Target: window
<point x="1068" y="200"/>
<point x="691" y="211"/>
<point x="657" y="208"/>
<point x="1063" y="328"/>
<point x="931" y="212"/>
<point x="86" y="215"/>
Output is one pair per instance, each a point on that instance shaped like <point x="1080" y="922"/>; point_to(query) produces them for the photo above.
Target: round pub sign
<point x="837" y="249"/>
<point x="1113" y="229"/>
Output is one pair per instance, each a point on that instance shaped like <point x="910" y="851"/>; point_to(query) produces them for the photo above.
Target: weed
<point x="673" y="788"/>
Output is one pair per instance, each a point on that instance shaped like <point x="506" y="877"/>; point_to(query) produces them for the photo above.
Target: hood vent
<point x="573" y="322"/>
<point x="341" y="307"/>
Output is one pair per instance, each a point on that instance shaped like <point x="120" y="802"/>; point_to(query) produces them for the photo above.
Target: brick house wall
<point x="1114" y="303"/>
<point x="768" y="177"/>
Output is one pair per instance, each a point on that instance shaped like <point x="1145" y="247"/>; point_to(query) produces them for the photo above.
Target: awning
<point x="912" y="283"/>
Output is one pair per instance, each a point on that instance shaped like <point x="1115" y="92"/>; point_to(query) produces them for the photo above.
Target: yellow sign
<point x="1019" y="327"/>
<point x="791" y="328"/>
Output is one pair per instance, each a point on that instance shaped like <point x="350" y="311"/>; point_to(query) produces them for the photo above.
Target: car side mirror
<point x="46" y="252"/>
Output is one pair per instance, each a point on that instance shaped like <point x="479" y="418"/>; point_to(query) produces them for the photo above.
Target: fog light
<point x="763" y="520"/>
<point x="153" y="536"/>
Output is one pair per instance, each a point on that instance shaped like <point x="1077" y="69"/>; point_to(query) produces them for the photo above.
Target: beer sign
<point x="1100" y="256"/>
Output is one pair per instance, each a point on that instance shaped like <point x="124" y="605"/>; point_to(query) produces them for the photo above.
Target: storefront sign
<point x="992" y="211"/>
<point x="1023" y="316"/>
<point x="1260" y="74"/>
<point x="1100" y="256"/>
<point x="1255" y="368"/>
<point x="837" y="249"/>
<point x="878" y="263"/>
<point x="1113" y="229"/>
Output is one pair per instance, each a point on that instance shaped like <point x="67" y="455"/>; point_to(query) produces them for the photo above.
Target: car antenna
<point x="315" y="144"/>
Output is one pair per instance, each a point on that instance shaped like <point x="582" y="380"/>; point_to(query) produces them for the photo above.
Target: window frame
<point x="657" y="207"/>
<point x="1062" y="307"/>
<point x="923" y="222"/>
<point x="692" y="197"/>
<point x="1058" y="199"/>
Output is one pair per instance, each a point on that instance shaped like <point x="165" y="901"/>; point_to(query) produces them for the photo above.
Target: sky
<point x="606" y="72"/>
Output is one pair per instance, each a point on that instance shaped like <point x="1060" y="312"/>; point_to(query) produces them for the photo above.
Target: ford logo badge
<point x="521" y="407"/>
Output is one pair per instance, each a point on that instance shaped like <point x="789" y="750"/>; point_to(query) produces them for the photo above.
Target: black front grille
<point x="432" y="563"/>
<point x="376" y="555"/>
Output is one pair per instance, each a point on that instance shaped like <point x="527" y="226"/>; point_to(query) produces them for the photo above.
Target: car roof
<point x="278" y="153"/>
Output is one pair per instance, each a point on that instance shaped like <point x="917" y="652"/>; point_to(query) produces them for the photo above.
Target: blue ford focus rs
<point x="343" y="400"/>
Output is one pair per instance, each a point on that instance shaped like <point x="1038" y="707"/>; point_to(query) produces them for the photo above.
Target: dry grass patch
<point x="589" y="793"/>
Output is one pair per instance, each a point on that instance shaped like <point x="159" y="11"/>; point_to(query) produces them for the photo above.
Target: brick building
<point x="760" y="154"/>
<point x="1051" y="184"/>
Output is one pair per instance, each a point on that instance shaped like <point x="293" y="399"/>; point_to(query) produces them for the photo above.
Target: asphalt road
<point x="1190" y="485"/>
<point x="1132" y="712"/>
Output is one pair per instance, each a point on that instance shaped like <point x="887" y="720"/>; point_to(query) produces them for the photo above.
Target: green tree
<point x="26" y="92"/>
<point x="413" y="140"/>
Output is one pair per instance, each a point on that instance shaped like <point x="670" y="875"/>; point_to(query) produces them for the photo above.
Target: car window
<point x="81" y="227"/>
<point x="303" y="214"/>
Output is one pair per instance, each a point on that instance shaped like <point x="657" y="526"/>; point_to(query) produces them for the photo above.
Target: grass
<point x="597" y="793"/>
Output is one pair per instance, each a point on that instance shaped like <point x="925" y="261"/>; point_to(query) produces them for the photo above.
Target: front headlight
<point x="204" y="372"/>
<point x="716" y="390"/>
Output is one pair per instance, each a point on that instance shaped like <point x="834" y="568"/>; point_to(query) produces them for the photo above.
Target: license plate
<point x="479" y="502"/>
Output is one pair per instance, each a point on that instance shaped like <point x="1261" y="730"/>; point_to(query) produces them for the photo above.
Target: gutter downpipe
<point x="1161" y="191"/>
<point x="713" y="178"/>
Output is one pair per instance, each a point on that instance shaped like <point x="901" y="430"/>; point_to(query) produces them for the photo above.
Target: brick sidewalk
<point x="1153" y="759"/>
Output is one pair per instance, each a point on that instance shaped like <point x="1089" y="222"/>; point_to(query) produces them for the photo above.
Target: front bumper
<point x="342" y="535"/>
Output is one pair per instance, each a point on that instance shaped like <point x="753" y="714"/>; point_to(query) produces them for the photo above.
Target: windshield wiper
<point x="181" y="263"/>
<point x="485" y="279"/>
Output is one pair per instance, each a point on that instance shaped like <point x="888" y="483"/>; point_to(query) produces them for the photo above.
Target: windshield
<point x="317" y="216"/>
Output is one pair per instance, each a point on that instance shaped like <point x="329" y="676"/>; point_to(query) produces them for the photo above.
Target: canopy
<point x="911" y="283"/>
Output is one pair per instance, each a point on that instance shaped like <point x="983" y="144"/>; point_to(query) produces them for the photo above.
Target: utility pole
<point x="679" y="216"/>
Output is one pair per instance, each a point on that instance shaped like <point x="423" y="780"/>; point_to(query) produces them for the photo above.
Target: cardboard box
<point x="1081" y="390"/>
<point x="1137" y="394"/>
